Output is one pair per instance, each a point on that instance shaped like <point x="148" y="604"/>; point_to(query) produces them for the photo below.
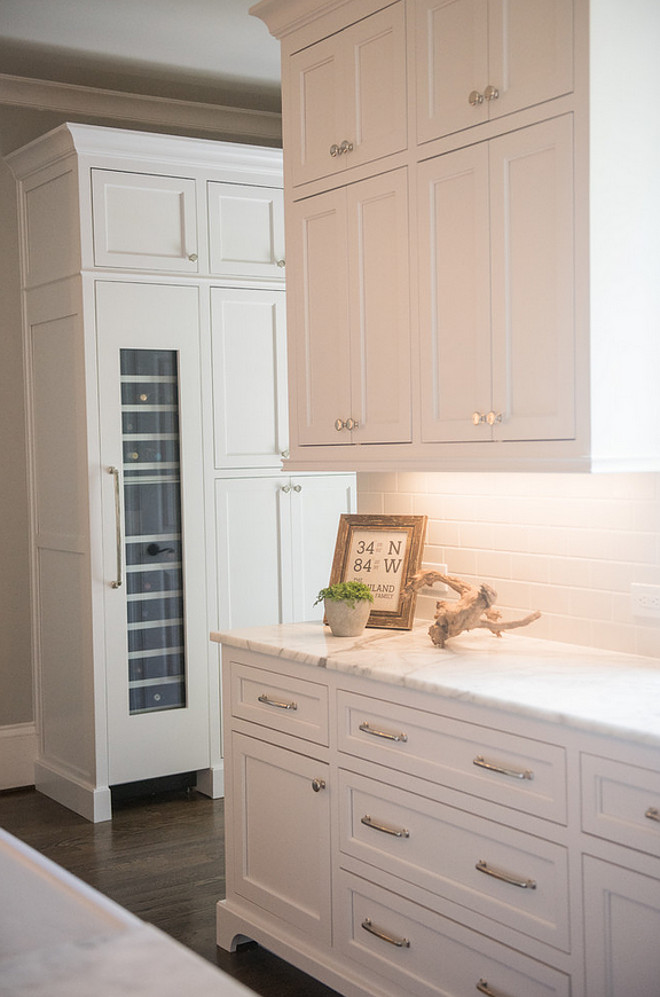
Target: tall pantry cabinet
<point x="153" y="286"/>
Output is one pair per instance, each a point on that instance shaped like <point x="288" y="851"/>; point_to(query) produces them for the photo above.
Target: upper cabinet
<point x="246" y="230"/>
<point x="348" y="97"/>
<point x="532" y="304"/>
<point x="482" y="59"/>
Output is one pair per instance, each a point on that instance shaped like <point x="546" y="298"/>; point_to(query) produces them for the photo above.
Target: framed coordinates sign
<point x="383" y="552"/>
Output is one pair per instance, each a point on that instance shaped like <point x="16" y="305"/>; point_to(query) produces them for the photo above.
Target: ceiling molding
<point x="66" y="98"/>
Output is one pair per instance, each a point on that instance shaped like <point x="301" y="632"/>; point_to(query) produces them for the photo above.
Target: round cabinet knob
<point x="280" y="263"/>
<point x="318" y="785"/>
<point x="193" y="257"/>
<point x="493" y="417"/>
<point x="491" y="93"/>
<point x="297" y="488"/>
<point x="478" y="418"/>
<point x="286" y="488"/>
<point x="345" y="147"/>
<point x="475" y="98"/>
<point x="285" y="454"/>
<point x="335" y="150"/>
<point x="339" y="425"/>
<point x="352" y="424"/>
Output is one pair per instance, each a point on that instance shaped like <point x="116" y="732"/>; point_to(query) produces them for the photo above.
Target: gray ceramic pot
<point x="345" y="620"/>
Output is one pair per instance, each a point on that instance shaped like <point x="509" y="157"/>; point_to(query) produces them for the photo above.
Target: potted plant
<point x="347" y="607"/>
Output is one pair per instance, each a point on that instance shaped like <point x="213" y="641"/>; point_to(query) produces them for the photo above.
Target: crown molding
<point x="66" y="98"/>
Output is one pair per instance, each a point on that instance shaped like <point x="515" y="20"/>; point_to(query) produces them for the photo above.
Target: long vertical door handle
<point x="118" y="581"/>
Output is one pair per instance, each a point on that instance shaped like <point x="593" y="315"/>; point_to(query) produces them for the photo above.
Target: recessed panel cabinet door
<point x="454" y="263"/>
<point x="153" y="522"/>
<point x="531" y="197"/>
<point x="246" y="230"/>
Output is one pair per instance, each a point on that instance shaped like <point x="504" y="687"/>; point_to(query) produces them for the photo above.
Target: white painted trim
<point x="18" y="750"/>
<point x="211" y="782"/>
<point x="92" y="802"/>
<point x="46" y="95"/>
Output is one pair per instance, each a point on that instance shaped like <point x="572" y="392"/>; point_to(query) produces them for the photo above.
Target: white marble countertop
<point x="599" y="691"/>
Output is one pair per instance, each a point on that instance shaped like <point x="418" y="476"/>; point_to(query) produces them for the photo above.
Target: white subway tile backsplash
<point x="569" y="545"/>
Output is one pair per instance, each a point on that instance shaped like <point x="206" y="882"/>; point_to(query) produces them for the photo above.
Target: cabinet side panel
<point x="66" y="691"/>
<point x="52" y="242"/>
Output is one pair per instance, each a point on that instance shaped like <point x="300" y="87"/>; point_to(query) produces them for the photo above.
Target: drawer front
<point x="441" y="957"/>
<point x="513" y="771"/>
<point x="517" y="879"/>
<point x="280" y="702"/>
<point x="621" y="803"/>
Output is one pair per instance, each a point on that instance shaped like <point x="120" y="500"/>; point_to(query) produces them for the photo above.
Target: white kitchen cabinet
<point x="246" y="230"/>
<point x="495" y="221"/>
<point x="350" y="359"/>
<point x="144" y="221"/>
<point x="348" y="96"/>
<point x="275" y="542"/>
<point x="476" y="844"/>
<point x="598" y="410"/>
<point x="123" y="442"/>
<point x="248" y="357"/>
<point x="483" y="59"/>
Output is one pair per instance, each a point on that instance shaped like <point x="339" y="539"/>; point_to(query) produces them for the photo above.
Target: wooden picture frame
<point x="384" y="552"/>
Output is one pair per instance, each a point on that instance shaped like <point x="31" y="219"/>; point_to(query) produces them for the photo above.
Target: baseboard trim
<point x="211" y="782"/>
<point x="18" y="751"/>
<point x="91" y="802"/>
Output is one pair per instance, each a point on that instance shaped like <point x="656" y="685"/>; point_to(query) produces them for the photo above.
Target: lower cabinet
<point x="275" y="540"/>
<point x="379" y="864"/>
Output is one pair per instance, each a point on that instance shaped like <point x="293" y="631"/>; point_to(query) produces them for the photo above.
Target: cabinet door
<point x="248" y="350"/>
<point x="454" y="263"/>
<point x="452" y="63"/>
<point x="379" y="294"/>
<point x="317" y="503"/>
<point x="348" y="97"/>
<point x="476" y="61"/>
<point x="622" y="928"/>
<point x="531" y="197"/>
<point x="154" y="538"/>
<point x="246" y="231"/>
<point x="253" y="551"/>
<point x="319" y="337"/>
<point x="525" y="74"/>
<point x="144" y="222"/>
<point x="281" y="830"/>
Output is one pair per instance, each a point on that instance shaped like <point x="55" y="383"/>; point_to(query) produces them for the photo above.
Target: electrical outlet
<point x="437" y="589"/>
<point x="645" y="600"/>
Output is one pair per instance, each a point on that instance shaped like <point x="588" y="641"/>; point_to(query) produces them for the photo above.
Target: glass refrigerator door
<point x="152" y="511"/>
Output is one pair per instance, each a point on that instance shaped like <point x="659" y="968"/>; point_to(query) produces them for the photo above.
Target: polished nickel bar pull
<point x="118" y="582"/>
<point x="401" y="943"/>
<point x="512" y="773"/>
<point x="263" y="698"/>
<point x="483" y="988"/>
<point x="653" y="814"/>
<point x="524" y="884"/>
<point x="394" y="831"/>
<point x="364" y="726"/>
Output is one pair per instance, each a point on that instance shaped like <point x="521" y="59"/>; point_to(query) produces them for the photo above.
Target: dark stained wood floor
<point x="161" y="857"/>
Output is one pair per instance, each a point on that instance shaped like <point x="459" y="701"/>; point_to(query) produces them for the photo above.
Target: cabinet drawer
<point x="442" y="957"/>
<point x="281" y="702"/>
<point x="507" y="769"/>
<point x="621" y="803"/>
<point x="515" y="878"/>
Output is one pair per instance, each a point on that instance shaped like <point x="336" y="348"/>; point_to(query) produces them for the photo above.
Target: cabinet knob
<point x="493" y="417"/>
<point x="193" y="257"/>
<point x="352" y="424"/>
<point x="286" y="488"/>
<point x="318" y="785"/>
<point x="475" y="98"/>
<point x="339" y="425"/>
<point x="334" y="150"/>
<point x="280" y="263"/>
<point x="653" y="813"/>
<point x="285" y="454"/>
<point x="345" y="147"/>
<point x="478" y="418"/>
<point x="491" y="93"/>
<point x="297" y="488"/>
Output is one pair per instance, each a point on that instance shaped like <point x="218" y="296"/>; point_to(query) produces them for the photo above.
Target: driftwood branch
<point x="472" y="610"/>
